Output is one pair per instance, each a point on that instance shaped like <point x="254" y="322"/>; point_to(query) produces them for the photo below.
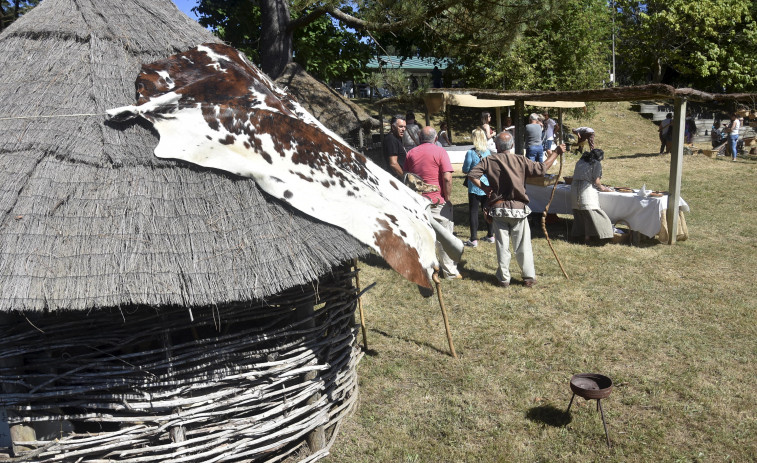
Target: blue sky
<point x="186" y="6"/>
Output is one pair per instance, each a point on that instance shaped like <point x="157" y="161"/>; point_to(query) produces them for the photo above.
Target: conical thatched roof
<point x="91" y="218"/>
<point x="327" y="105"/>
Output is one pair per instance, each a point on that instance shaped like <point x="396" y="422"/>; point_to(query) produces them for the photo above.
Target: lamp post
<point x="613" y="42"/>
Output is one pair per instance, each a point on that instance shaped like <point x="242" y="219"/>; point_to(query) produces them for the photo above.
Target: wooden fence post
<point x="676" y="168"/>
<point x="316" y="439"/>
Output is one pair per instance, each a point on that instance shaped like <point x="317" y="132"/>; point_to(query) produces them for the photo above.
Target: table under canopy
<point x="457" y="153"/>
<point x="643" y="214"/>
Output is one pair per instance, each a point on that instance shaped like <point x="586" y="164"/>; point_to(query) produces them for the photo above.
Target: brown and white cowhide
<point x="211" y="107"/>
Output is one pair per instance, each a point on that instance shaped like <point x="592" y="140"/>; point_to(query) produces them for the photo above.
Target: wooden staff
<point x="360" y="305"/>
<point x="544" y="218"/>
<point x="444" y="312"/>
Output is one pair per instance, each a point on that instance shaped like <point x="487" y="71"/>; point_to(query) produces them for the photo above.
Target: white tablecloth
<point x="457" y="153"/>
<point x="642" y="214"/>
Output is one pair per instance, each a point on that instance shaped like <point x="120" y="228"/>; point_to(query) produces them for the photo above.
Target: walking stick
<point x="444" y="313"/>
<point x="360" y="305"/>
<point x="544" y="219"/>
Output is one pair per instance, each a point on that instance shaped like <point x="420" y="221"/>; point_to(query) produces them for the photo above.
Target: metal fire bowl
<point x="591" y="385"/>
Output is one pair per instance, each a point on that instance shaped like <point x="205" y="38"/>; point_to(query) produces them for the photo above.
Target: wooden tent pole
<point x="544" y="219"/>
<point x="381" y="119"/>
<point x="444" y="313"/>
<point x="519" y="108"/>
<point x="360" y="305"/>
<point x="449" y="127"/>
<point x="559" y="123"/>
<point x="498" y="112"/>
<point x="676" y="168"/>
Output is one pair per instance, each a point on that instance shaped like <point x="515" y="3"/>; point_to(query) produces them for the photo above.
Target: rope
<point x="8" y="118"/>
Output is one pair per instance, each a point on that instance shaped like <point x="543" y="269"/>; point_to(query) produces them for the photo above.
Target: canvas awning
<point x="556" y="104"/>
<point x="438" y="101"/>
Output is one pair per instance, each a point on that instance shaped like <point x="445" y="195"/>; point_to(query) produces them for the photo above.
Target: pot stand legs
<point x="601" y="412"/>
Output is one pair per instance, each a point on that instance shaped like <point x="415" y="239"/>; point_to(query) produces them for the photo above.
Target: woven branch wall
<point x="246" y="382"/>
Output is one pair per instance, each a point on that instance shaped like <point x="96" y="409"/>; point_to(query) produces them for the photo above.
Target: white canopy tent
<point x="438" y="101"/>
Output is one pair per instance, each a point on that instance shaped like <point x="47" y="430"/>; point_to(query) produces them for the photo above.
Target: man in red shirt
<point x="431" y="163"/>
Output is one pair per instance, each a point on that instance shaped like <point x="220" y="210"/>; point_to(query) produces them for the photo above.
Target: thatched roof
<point x="327" y="105"/>
<point x="91" y="218"/>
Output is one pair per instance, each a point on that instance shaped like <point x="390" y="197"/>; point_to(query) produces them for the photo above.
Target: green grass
<point x="673" y="326"/>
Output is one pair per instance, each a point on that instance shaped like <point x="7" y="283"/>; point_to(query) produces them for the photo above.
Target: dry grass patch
<point x="673" y="326"/>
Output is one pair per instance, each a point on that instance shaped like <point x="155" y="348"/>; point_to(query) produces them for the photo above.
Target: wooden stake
<point x="360" y="305"/>
<point x="444" y="313"/>
<point x="544" y="220"/>
<point x="676" y="168"/>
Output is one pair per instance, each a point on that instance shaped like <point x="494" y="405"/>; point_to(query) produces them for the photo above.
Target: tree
<point x="566" y="47"/>
<point x="12" y="10"/>
<point x="426" y="27"/>
<point x="269" y="36"/>
<point x="707" y="44"/>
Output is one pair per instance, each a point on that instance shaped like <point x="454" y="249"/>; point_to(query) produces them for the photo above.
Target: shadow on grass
<point x="375" y="260"/>
<point x="401" y="338"/>
<point x="476" y="275"/>
<point x="549" y="415"/>
<point x="370" y="352"/>
<point x="639" y="155"/>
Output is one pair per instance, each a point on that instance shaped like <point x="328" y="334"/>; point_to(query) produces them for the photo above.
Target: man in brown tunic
<point x="508" y="204"/>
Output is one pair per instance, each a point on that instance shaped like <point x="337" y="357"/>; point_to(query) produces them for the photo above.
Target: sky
<point x="186" y="6"/>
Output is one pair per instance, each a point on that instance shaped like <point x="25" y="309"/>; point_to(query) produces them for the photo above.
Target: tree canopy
<point x="12" y="10"/>
<point x="559" y="49"/>
<point x="322" y="46"/>
<point x="508" y="44"/>
<point x="707" y="44"/>
<point x="494" y="43"/>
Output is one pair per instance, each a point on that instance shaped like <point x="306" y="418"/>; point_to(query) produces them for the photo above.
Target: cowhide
<point x="211" y="107"/>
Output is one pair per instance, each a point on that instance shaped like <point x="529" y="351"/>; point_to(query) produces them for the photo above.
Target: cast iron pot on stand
<point x="591" y="386"/>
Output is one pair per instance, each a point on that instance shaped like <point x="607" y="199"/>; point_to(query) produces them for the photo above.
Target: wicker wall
<point x="244" y="382"/>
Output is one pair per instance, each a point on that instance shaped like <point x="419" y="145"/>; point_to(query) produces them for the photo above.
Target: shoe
<point x="488" y="239"/>
<point x="503" y="284"/>
<point x="528" y="282"/>
<point x="456" y="276"/>
<point x="471" y="244"/>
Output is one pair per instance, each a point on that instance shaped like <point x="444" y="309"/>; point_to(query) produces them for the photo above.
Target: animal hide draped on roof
<point x="211" y="107"/>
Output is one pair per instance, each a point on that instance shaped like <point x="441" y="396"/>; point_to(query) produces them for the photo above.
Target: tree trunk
<point x="657" y="71"/>
<point x="276" y="37"/>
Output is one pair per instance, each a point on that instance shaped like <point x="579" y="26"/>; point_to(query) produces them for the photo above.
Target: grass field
<point x="673" y="326"/>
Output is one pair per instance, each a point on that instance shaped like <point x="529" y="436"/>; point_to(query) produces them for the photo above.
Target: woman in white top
<point x="443" y="135"/>
<point x="489" y="133"/>
<point x="588" y="218"/>
<point x="733" y="135"/>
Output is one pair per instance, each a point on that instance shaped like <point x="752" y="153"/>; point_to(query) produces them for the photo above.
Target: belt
<point x="497" y="204"/>
<point x="501" y="204"/>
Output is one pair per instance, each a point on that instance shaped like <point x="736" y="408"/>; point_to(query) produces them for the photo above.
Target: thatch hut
<point x="336" y="112"/>
<point x="151" y="310"/>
